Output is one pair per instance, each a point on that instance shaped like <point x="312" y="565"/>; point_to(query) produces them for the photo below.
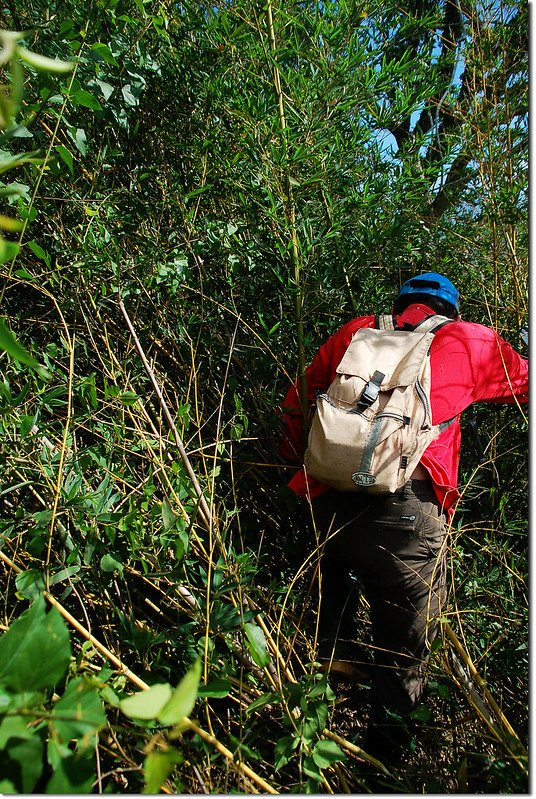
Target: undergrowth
<point x="206" y="196"/>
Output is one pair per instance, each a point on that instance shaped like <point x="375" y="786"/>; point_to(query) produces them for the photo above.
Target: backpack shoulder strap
<point x="385" y="322"/>
<point x="431" y="324"/>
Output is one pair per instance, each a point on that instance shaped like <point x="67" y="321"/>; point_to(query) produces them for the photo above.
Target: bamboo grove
<point x="194" y="197"/>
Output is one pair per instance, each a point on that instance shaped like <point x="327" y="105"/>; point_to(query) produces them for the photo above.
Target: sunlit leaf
<point x="43" y="63"/>
<point x="182" y="702"/>
<point x="147" y="704"/>
<point x="157" y="767"/>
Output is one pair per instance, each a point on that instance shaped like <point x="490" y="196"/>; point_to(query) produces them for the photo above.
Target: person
<point x="395" y="545"/>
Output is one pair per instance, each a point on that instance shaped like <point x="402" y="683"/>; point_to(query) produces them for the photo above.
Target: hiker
<point x="393" y="545"/>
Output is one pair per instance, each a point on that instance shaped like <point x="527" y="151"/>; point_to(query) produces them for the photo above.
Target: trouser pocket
<point x="399" y="512"/>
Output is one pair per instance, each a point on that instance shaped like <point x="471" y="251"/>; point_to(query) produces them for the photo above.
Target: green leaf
<point x="36" y="650"/>
<point x="13" y="161"/>
<point x="9" y="224"/>
<point x="9" y="344"/>
<point x="80" y="139"/>
<point x="256" y="643"/>
<point x="30" y="583"/>
<point x="65" y="155"/>
<point x="72" y="773"/>
<point x="217" y="688"/>
<point x="25" y="700"/>
<point x="327" y="752"/>
<point x="84" y="98"/>
<point x="169" y="518"/>
<point x="182" y="702"/>
<point x="106" y="88"/>
<point x="157" y="767"/>
<point x="265" y="699"/>
<point x="24" y="274"/>
<point x="128" y="398"/>
<point x="43" y="63"/>
<point x="20" y="132"/>
<point x="8" y="250"/>
<point x="104" y="52"/>
<point x="109" y="563"/>
<point x="39" y="251"/>
<point x="200" y="190"/>
<point x="63" y="574"/>
<point x="421" y="713"/>
<point x="311" y="769"/>
<point x="315" y="720"/>
<point x="147" y="704"/>
<point x="283" y="751"/>
<point x="79" y="713"/>
<point x="129" y="96"/>
<point x="21" y="754"/>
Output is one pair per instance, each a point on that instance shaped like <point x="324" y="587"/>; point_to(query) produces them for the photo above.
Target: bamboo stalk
<point x="202" y="506"/>
<point x="290" y="210"/>
<point x="210" y="739"/>
<point x="355" y="750"/>
<point x="479" y="682"/>
<point x="63" y="451"/>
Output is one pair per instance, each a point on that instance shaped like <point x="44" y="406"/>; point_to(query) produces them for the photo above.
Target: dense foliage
<point x="196" y="195"/>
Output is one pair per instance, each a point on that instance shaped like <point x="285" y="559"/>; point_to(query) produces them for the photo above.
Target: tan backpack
<point x="373" y="424"/>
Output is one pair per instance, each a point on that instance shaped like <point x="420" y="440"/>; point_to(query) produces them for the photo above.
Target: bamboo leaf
<point x="256" y="643"/>
<point x="43" y="63"/>
<point x="182" y="702"/>
<point x="14" y="348"/>
<point x="147" y="704"/>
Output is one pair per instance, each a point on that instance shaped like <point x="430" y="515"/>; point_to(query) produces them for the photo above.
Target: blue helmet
<point x="434" y="284"/>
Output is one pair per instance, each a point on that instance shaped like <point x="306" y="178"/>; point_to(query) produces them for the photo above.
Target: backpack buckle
<point x="371" y="390"/>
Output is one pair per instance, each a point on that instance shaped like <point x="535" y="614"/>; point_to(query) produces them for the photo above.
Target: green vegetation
<point x="195" y="196"/>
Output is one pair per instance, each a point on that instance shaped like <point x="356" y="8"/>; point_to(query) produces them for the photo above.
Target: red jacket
<point x="469" y="363"/>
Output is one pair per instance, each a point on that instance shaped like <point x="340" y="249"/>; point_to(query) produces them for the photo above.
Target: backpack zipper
<point x="422" y="396"/>
<point x="397" y="416"/>
<point x="327" y="398"/>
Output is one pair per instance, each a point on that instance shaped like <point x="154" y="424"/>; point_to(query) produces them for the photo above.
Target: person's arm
<point x="472" y="363"/>
<point x="318" y="374"/>
<point x="503" y="373"/>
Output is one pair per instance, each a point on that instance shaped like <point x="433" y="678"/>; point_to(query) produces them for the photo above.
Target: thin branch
<point x="203" y="507"/>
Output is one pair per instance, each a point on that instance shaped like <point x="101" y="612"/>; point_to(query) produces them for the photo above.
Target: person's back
<point x="469" y="363"/>
<point x="396" y="544"/>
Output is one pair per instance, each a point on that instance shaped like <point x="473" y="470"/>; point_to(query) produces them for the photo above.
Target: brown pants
<point x="396" y="547"/>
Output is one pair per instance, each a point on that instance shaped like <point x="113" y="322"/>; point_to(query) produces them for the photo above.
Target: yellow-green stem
<point x="290" y="213"/>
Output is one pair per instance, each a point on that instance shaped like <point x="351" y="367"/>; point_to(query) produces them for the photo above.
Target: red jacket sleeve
<point x="292" y="446"/>
<point x="472" y="363"/>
